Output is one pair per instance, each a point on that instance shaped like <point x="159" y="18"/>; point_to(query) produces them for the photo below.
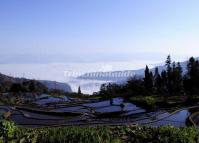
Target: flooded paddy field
<point x="65" y="111"/>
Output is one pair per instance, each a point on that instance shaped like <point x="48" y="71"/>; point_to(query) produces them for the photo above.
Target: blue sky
<point x="53" y="31"/>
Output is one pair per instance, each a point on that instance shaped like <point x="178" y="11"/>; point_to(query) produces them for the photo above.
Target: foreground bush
<point x="164" y="134"/>
<point x="124" y="134"/>
<point x="11" y="133"/>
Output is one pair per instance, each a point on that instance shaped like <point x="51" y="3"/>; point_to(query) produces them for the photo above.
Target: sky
<point x="85" y="31"/>
<point x="57" y="39"/>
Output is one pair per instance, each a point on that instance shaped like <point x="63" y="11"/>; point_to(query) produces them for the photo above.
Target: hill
<point x="6" y="82"/>
<point x="117" y="76"/>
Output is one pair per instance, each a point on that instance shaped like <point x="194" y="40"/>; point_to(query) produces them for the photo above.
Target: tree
<point x="16" y="87"/>
<point x="191" y="80"/>
<point x="134" y="86"/>
<point x="168" y="63"/>
<point x="79" y="90"/>
<point x="169" y="75"/>
<point x="164" y="81"/>
<point x="157" y="81"/>
<point x="32" y="86"/>
<point x="179" y="78"/>
<point x="176" y="79"/>
<point x="148" y="81"/>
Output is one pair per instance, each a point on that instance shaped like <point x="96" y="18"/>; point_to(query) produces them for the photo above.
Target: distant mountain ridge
<point x="124" y="75"/>
<point x="56" y="85"/>
<point x="111" y="76"/>
<point x="49" y="84"/>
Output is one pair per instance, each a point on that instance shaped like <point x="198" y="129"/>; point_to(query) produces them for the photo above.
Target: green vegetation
<point x="146" y="101"/>
<point x="166" y="134"/>
<point x="136" y="134"/>
<point x="79" y="91"/>
<point x="170" y="82"/>
<point x="9" y="100"/>
<point x="23" y="86"/>
<point x="12" y="133"/>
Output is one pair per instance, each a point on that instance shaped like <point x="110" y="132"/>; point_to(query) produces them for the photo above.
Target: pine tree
<point x="79" y="90"/>
<point x="168" y="64"/>
<point x="148" y="81"/>
<point x="176" y="79"/>
<point x="179" y="78"/>
<point x="164" y="81"/>
<point x="32" y="86"/>
<point x="191" y="82"/>
<point x="169" y="75"/>
<point x="157" y="81"/>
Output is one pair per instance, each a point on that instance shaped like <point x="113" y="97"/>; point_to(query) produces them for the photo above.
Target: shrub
<point x="150" y="101"/>
<point x="135" y="134"/>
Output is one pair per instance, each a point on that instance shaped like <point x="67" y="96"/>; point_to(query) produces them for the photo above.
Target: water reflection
<point x="114" y="111"/>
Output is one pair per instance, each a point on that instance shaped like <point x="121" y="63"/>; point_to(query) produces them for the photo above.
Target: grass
<point x="148" y="102"/>
<point x="120" y="134"/>
<point x="156" y="101"/>
<point x="58" y="135"/>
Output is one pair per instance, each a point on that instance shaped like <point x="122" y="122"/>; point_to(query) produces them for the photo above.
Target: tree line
<point x="171" y="81"/>
<point x="24" y="86"/>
